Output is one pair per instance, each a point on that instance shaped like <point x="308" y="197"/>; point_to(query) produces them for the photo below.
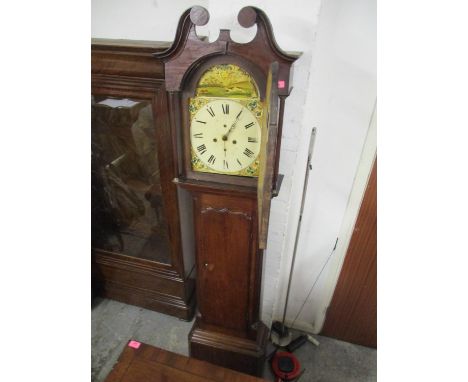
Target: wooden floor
<point x="140" y="362"/>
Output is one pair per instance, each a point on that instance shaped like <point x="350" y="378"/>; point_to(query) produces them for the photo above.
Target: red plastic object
<point x="283" y="375"/>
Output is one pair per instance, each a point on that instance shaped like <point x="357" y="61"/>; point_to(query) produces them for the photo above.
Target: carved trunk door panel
<point x="224" y="256"/>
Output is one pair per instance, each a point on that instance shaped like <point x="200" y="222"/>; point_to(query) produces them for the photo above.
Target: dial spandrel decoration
<point x="226" y="119"/>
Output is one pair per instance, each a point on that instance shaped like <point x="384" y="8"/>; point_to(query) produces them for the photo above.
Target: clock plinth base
<point x="237" y="353"/>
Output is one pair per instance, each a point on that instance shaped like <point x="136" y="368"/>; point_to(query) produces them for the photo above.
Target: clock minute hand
<point x="232" y="126"/>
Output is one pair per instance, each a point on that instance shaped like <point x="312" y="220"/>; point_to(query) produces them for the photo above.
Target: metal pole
<point x="304" y="191"/>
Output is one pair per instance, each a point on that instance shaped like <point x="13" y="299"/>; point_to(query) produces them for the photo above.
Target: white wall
<point x="334" y="90"/>
<point x="329" y="279"/>
<point x="152" y="20"/>
<point x="340" y="101"/>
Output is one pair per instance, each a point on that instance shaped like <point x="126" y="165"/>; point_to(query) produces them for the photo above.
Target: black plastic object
<point x="279" y="328"/>
<point x="297" y="343"/>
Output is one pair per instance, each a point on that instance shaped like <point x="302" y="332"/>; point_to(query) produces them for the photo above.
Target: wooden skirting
<point x="241" y="354"/>
<point x="162" y="291"/>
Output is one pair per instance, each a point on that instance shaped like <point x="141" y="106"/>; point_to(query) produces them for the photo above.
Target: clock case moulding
<point x="229" y="240"/>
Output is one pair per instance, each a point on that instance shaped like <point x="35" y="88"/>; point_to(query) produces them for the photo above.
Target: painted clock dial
<point x="225" y="135"/>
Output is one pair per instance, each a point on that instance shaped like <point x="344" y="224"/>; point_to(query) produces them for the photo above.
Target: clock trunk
<point x="227" y="330"/>
<point x="225" y="249"/>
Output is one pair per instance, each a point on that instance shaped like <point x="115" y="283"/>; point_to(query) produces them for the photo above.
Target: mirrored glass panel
<point x="128" y="213"/>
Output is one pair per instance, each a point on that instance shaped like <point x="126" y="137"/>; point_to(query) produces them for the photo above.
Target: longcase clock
<point x="226" y="103"/>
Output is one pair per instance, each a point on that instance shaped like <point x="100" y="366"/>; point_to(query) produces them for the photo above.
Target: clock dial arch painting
<point x="225" y="122"/>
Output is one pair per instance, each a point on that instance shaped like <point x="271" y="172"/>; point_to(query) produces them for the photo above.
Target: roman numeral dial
<point x="225" y="137"/>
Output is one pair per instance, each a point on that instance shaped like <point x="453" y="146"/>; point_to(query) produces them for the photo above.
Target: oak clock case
<point x="137" y="254"/>
<point x="208" y="85"/>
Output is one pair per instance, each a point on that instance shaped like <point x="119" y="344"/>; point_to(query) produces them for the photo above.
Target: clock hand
<point x="225" y="136"/>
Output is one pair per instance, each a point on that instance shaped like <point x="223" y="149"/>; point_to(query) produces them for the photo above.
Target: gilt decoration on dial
<point x="225" y="131"/>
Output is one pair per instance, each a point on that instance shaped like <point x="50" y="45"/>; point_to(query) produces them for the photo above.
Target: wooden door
<point x="224" y="225"/>
<point x="352" y="315"/>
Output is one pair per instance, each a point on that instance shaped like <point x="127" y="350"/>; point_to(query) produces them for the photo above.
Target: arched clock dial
<point x="225" y="136"/>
